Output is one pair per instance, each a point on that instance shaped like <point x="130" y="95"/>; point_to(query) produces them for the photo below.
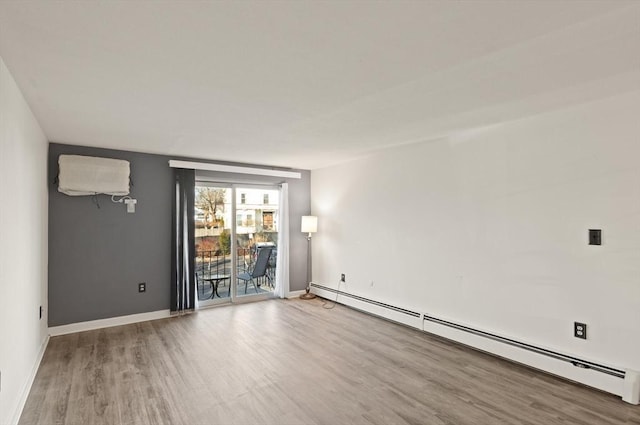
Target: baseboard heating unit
<point x="615" y="380"/>
<point x="573" y="360"/>
<point x="384" y="310"/>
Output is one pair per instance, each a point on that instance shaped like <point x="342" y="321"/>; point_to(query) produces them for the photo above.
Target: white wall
<point x="23" y="246"/>
<point x="489" y="228"/>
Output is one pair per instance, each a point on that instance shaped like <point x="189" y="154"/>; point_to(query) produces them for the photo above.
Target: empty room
<point x="320" y="212"/>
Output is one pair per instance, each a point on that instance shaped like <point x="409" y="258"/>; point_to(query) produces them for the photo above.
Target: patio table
<point x="215" y="280"/>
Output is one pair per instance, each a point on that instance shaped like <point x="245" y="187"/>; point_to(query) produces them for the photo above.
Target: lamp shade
<point x="309" y="224"/>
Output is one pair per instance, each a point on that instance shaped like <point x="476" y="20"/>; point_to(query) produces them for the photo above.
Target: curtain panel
<point x="281" y="289"/>
<point x="183" y="242"/>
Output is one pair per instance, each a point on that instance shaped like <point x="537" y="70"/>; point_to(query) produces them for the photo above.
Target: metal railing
<point x="209" y="263"/>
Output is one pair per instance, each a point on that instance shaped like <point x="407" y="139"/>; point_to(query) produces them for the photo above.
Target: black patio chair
<point x="259" y="269"/>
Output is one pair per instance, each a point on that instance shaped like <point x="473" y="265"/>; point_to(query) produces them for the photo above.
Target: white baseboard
<point x="294" y="294"/>
<point x="611" y="384"/>
<point x="601" y="381"/>
<point x="27" y="387"/>
<point x="631" y="392"/>
<point x="394" y="316"/>
<point x="107" y="323"/>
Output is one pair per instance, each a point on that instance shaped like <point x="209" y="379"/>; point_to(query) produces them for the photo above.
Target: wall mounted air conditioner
<point x="89" y="175"/>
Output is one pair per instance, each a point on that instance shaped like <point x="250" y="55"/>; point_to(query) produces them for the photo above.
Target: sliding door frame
<point x="234" y="298"/>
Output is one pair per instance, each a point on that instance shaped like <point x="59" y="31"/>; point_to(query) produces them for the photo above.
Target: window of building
<point x="265" y="198"/>
<point x="243" y="198"/>
<point x="267" y="220"/>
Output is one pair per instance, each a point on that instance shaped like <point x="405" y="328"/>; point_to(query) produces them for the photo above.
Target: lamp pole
<point x="309" y="226"/>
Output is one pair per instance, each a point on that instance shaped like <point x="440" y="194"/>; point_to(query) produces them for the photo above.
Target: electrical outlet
<point x="580" y="330"/>
<point x="142" y="287"/>
<point x="342" y="278"/>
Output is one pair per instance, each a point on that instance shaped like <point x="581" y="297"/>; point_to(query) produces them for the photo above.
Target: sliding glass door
<point x="236" y="242"/>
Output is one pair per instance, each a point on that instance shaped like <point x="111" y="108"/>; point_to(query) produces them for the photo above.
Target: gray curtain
<point x="183" y="242"/>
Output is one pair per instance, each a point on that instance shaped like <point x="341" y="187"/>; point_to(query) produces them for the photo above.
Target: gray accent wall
<point x="98" y="253"/>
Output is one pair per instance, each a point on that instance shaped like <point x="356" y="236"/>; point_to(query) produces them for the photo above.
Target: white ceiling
<point x="307" y="83"/>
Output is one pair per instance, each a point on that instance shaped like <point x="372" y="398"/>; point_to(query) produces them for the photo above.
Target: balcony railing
<point x="211" y="264"/>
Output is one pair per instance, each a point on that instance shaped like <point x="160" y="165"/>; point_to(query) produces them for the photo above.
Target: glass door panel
<point x="256" y="214"/>
<point x="213" y="262"/>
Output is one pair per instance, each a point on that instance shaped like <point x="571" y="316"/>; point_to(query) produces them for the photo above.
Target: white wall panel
<point x="489" y="228"/>
<point x="23" y="246"/>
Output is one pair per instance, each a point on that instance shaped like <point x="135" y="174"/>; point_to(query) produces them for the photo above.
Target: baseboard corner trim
<point x="108" y="323"/>
<point x="29" y="383"/>
<point x="631" y="391"/>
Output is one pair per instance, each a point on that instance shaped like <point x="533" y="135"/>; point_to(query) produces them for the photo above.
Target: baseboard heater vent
<point x="367" y="300"/>
<point x="630" y="393"/>
<point x="559" y="356"/>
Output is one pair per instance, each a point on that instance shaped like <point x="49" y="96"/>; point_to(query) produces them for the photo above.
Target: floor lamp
<point x="309" y="226"/>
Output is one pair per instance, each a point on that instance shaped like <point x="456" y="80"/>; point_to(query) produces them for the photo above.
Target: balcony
<point x="214" y="270"/>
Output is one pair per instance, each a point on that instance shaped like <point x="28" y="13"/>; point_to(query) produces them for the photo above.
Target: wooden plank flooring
<point x="294" y="362"/>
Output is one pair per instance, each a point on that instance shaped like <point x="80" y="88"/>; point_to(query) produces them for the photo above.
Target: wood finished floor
<point x="293" y="362"/>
